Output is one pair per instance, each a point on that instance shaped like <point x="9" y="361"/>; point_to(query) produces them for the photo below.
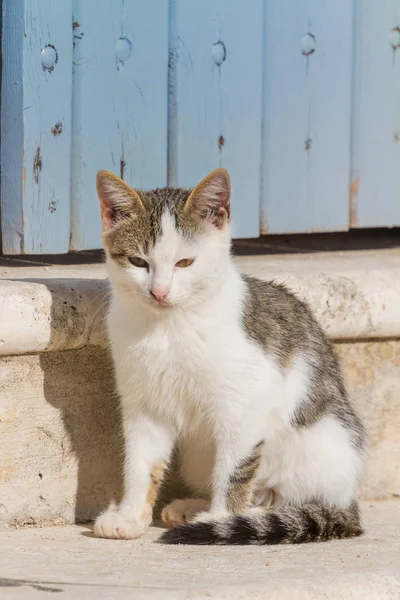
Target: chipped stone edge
<point x="65" y="314"/>
<point x="52" y="314"/>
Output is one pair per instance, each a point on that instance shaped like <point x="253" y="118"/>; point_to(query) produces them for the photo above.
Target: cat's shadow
<point x="80" y="385"/>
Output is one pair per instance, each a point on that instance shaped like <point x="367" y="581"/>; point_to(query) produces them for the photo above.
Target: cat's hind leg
<point x="239" y="495"/>
<point x="183" y="511"/>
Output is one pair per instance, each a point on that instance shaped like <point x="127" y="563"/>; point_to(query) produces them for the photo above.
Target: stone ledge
<point x="354" y="295"/>
<point x="69" y="560"/>
<point x="51" y="314"/>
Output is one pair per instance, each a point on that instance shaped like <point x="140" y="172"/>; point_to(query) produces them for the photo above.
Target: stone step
<point x="69" y="562"/>
<point x="59" y="420"/>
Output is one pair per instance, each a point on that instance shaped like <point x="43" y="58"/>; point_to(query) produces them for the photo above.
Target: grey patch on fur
<point x="173" y="486"/>
<point x="241" y="482"/>
<point x="283" y="326"/>
<point x="136" y="232"/>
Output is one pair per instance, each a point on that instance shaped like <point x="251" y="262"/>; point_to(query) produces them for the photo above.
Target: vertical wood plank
<point x="375" y="183"/>
<point x="215" y="99"/>
<point x="119" y="103"/>
<point x="36" y="126"/>
<point x="307" y="108"/>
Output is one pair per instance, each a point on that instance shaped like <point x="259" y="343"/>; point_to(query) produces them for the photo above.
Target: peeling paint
<point x="308" y="43"/>
<point x="354" y="189"/>
<point x="21" y="234"/>
<point x="49" y="58"/>
<point x="76" y="25"/>
<point x="23" y="179"/>
<point x="37" y="165"/>
<point x="57" y="129"/>
<point x="218" y="53"/>
<point x="394" y="38"/>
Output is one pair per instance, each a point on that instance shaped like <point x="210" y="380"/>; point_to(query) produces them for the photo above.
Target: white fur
<point x="188" y="372"/>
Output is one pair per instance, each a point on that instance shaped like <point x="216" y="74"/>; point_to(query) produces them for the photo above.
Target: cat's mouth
<point x="160" y="305"/>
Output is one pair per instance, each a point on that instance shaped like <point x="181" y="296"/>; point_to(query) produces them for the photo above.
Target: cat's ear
<point x="117" y="199"/>
<point x="211" y="199"/>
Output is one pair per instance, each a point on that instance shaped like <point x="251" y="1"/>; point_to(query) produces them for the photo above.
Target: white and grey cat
<point x="231" y="376"/>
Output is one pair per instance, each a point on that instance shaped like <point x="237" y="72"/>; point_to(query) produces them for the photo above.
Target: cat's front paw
<point x="116" y="525"/>
<point x="183" y="511"/>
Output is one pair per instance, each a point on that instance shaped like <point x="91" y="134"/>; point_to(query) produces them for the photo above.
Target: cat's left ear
<point x="211" y="199"/>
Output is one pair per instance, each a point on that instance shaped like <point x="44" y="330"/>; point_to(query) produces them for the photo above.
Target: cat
<point x="229" y="375"/>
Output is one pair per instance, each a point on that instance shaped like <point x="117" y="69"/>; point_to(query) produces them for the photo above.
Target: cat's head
<point x="166" y="247"/>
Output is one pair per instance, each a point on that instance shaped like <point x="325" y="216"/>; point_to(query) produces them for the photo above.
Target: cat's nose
<point x="159" y="293"/>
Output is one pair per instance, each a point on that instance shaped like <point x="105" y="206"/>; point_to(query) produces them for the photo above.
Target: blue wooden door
<point x="36" y="126"/>
<point x="119" y="103"/>
<point x="215" y="97"/>
<point x="375" y="166"/>
<point x="307" y="115"/>
<point x="299" y="99"/>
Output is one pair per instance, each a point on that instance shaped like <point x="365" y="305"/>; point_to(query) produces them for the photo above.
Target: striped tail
<point x="282" y="525"/>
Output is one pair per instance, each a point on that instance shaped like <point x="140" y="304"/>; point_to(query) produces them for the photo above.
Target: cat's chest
<point x="184" y="360"/>
<point x="168" y="373"/>
<point x="187" y="372"/>
<point x="177" y="351"/>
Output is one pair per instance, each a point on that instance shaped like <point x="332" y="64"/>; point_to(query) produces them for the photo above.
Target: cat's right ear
<point x="117" y="199"/>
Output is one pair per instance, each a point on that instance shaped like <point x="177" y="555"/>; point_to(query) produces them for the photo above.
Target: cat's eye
<point x="185" y="262"/>
<point x="136" y="261"/>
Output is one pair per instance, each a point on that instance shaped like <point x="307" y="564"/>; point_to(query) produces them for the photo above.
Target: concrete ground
<point x="69" y="562"/>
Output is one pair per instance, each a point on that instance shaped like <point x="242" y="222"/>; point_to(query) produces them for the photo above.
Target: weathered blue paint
<point x="307" y="109"/>
<point x="36" y="126"/>
<point x="299" y="99"/>
<point x="119" y="103"/>
<point x="375" y="186"/>
<point x="215" y="99"/>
